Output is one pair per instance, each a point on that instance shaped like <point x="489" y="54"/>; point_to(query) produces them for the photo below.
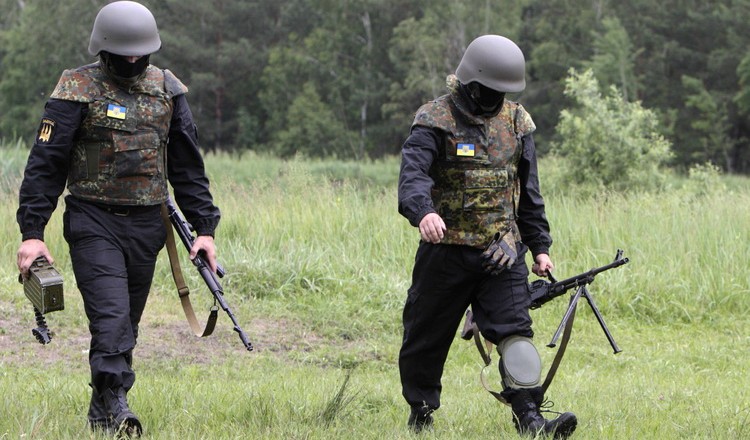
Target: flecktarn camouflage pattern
<point x="476" y="188"/>
<point x="120" y="153"/>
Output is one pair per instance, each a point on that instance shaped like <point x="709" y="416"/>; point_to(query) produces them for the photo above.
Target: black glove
<point x="500" y="254"/>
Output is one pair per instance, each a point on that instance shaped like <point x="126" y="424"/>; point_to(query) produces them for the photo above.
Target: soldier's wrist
<point x="32" y="235"/>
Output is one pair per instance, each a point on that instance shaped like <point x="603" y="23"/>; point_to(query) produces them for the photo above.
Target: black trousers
<point x="113" y="251"/>
<point x="446" y="280"/>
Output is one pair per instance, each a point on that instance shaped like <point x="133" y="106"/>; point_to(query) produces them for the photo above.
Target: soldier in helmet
<point x="117" y="131"/>
<point x="469" y="182"/>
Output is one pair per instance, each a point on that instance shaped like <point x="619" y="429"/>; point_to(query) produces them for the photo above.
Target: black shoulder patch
<point x="46" y="131"/>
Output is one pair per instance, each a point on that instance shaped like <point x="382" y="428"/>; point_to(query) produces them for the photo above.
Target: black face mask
<point x="121" y="70"/>
<point x="488" y="101"/>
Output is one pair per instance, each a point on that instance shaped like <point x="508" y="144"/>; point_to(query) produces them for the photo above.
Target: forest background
<point x="334" y="78"/>
<point x="304" y="105"/>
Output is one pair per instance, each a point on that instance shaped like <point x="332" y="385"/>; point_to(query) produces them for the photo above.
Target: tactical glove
<point x="500" y="254"/>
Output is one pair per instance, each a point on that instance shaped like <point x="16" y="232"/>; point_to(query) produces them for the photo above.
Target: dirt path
<point x="161" y="337"/>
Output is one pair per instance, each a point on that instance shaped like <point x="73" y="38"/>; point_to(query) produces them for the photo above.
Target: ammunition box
<point x="44" y="287"/>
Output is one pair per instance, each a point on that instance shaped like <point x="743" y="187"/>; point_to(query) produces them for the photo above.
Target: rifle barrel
<point x="586" y="277"/>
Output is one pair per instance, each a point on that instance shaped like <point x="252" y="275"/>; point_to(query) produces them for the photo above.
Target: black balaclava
<point x="486" y="101"/>
<point x="121" y="71"/>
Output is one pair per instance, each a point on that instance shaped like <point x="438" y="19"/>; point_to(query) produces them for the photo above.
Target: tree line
<point x="343" y="78"/>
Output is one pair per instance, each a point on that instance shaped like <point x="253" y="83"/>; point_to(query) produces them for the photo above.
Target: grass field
<point x="318" y="264"/>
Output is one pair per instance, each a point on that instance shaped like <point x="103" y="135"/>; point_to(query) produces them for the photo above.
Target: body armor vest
<point x="119" y="155"/>
<point x="476" y="189"/>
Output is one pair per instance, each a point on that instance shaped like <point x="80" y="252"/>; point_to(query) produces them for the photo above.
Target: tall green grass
<point x="318" y="264"/>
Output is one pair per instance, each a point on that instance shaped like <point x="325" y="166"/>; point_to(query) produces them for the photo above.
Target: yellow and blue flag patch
<point x="465" y="150"/>
<point x="116" y="111"/>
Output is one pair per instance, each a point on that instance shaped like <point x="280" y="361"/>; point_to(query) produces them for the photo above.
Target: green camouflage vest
<point x="476" y="188"/>
<point x="120" y="152"/>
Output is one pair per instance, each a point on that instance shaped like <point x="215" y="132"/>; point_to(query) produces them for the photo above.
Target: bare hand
<point x="432" y="228"/>
<point x="29" y="251"/>
<point x="543" y="265"/>
<point x="205" y="243"/>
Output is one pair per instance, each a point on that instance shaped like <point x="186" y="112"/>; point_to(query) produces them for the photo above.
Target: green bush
<point x="609" y="142"/>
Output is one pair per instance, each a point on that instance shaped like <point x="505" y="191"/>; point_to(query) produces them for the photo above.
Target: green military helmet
<point x="495" y="62"/>
<point x="125" y="28"/>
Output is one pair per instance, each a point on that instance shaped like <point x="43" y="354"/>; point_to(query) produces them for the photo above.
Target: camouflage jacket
<point x="119" y="156"/>
<point x="476" y="189"/>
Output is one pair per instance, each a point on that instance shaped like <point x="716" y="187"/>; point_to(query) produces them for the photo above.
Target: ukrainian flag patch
<point x="465" y="150"/>
<point x="116" y="111"/>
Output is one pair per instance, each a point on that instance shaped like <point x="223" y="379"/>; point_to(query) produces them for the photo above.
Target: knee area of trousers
<point x="520" y="364"/>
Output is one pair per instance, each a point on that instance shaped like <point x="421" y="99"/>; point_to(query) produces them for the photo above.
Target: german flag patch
<point x="46" y="130"/>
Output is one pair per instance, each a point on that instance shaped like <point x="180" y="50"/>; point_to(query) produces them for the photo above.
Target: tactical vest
<point x="119" y="155"/>
<point x="476" y="189"/>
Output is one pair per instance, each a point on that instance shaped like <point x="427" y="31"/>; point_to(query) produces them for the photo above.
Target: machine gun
<point x="543" y="291"/>
<point x="184" y="230"/>
<point x="44" y="288"/>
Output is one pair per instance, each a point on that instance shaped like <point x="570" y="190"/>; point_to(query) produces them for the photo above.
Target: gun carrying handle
<point x="550" y="276"/>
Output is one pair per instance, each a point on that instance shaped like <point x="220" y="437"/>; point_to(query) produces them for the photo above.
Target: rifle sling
<point x="182" y="288"/>
<point x="487" y="347"/>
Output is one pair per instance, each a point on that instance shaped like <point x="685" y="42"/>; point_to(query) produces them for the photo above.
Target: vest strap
<point x="92" y="162"/>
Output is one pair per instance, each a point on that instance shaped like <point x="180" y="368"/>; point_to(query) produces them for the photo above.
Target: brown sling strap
<point x="182" y="288"/>
<point x="471" y="330"/>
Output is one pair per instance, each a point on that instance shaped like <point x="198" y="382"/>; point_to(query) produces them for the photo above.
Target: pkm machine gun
<point x="543" y="291"/>
<point x="44" y="288"/>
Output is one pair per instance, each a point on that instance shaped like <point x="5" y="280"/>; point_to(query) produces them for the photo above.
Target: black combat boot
<point x="528" y="419"/>
<point x="125" y="422"/>
<point x="420" y="418"/>
<point x="99" y="418"/>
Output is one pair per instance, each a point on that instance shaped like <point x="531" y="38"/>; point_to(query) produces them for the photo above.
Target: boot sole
<point x="565" y="428"/>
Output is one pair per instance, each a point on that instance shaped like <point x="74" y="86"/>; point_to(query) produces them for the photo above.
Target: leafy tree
<point x="218" y="48"/>
<point x="347" y="64"/>
<point x="32" y="61"/>
<point x="608" y="141"/>
<point x="695" y="39"/>
<point x="556" y="35"/>
<point x="742" y="98"/>
<point x="312" y="129"/>
<point x="614" y="58"/>
<point x="710" y="120"/>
